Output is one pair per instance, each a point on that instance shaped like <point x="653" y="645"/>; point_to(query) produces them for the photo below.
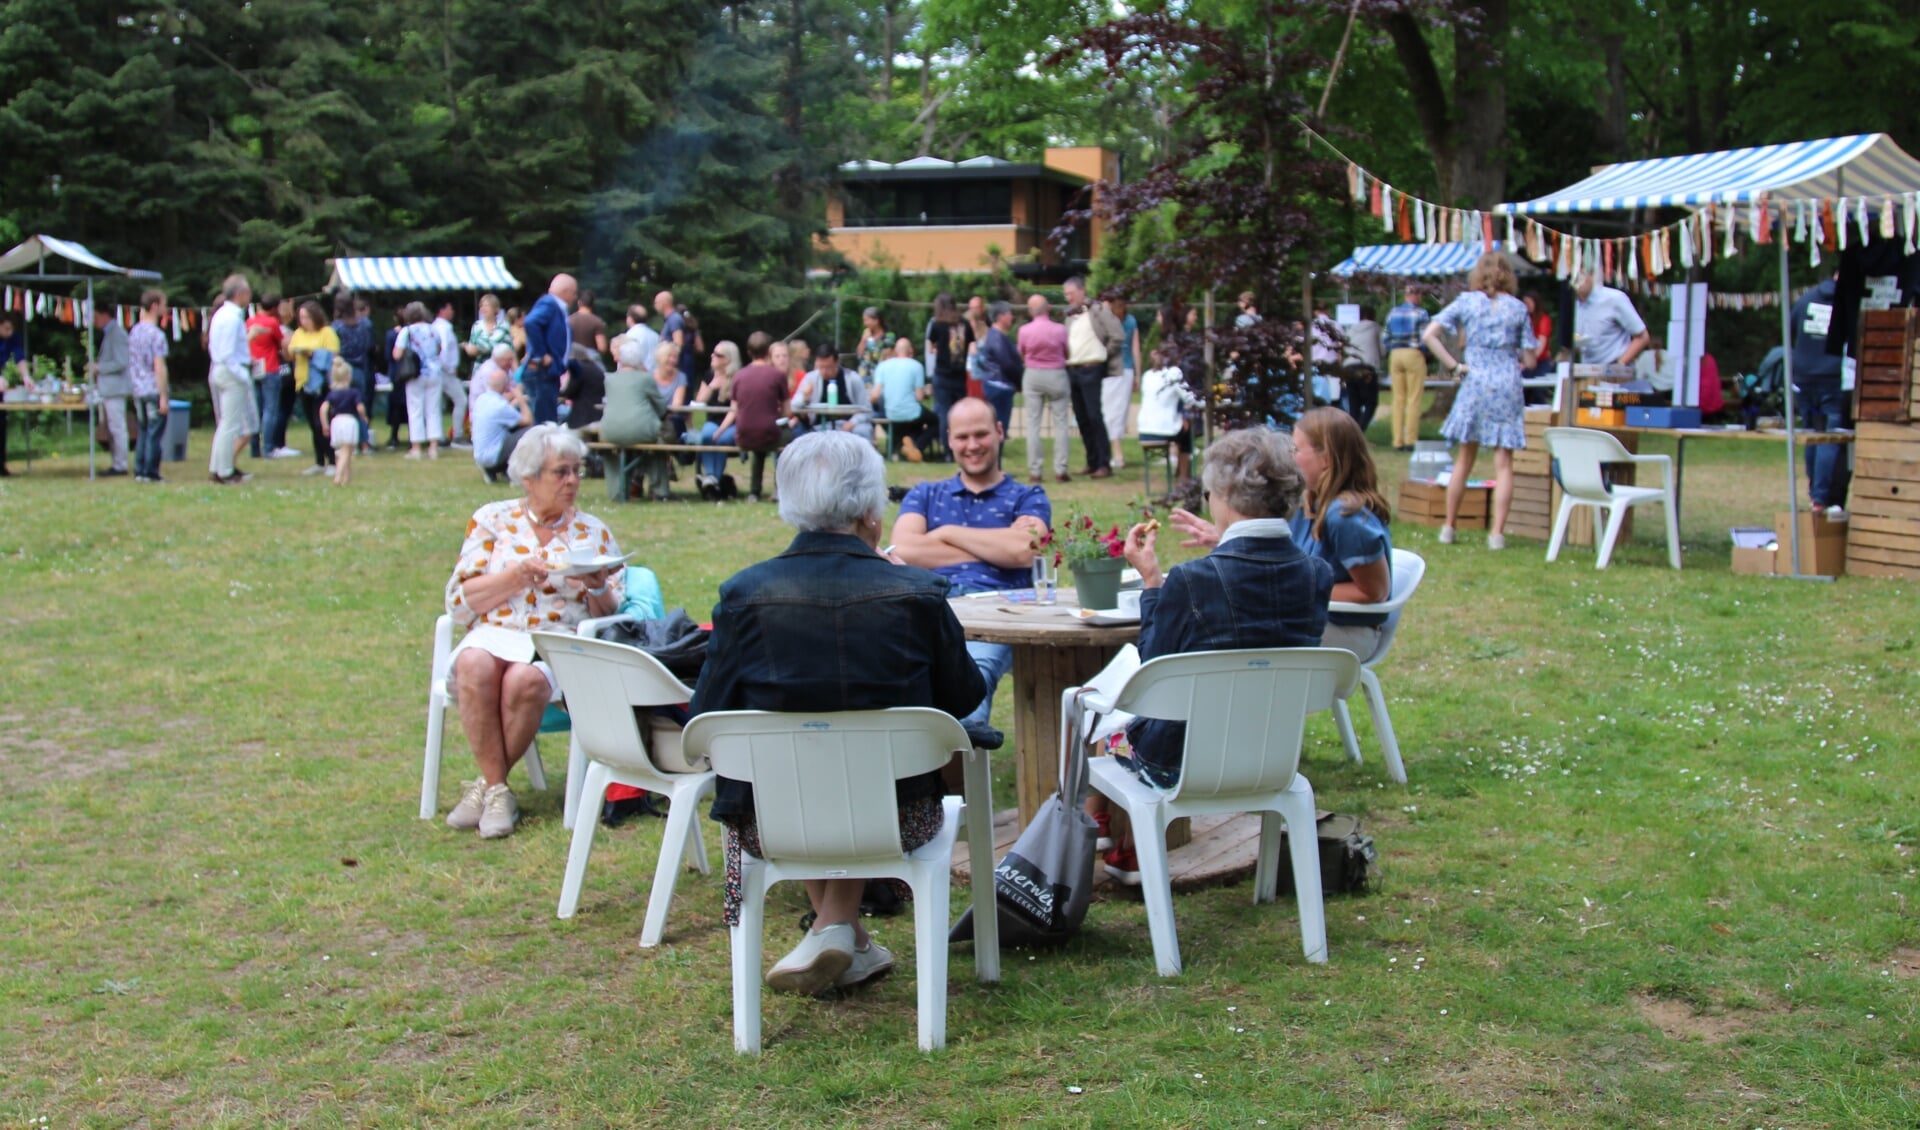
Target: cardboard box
<point x="1823" y="544"/>
<point x="1755" y="562"/>
<point x="1663" y="417"/>
<point x="1602" y="417"/>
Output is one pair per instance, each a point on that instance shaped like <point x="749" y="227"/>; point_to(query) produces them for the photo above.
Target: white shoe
<point x="868" y="964"/>
<point x="816" y="963"/>
<point x="466" y="815"/>
<point x="499" y="812"/>
<point x="316" y="469"/>
<point x="461" y="444"/>
<point x="1496" y="541"/>
<point x="285" y="453"/>
<point x="1446" y="535"/>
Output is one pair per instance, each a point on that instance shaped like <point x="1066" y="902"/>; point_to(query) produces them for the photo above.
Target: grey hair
<point x="503" y="356"/>
<point x="829" y="481"/>
<point x="995" y="311"/>
<point x="630" y="354"/>
<point x="1254" y="471"/>
<point x="234" y="285"/>
<point x="541" y="443"/>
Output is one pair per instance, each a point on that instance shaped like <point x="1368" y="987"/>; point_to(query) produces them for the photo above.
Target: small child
<point x="343" y="416"/>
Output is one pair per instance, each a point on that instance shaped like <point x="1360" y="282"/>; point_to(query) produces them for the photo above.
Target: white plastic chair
<point x="1580" y="453"/>
<point x="439" y="704"/>
<point x="602" y="683"/>
<point x="825" y="805"/>
<point x="1246" y="714"/>
<point x="1408" y="568"/>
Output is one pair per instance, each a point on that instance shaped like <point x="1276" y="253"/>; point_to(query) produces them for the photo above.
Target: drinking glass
<point x="1046" y="580"/>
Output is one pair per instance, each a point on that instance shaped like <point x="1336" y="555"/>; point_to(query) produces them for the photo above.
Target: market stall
<point x="1815" y="194"/>
<point x="26" y="265"/>
<point x="1423" y="260"/>
<point x="430" y="273"/>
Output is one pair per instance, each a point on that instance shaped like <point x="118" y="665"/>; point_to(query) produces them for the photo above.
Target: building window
<point x="929" y="203"/>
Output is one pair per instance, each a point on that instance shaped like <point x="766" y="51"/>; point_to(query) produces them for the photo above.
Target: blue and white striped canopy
<point x="1867" y="164"/>
<point x="429" y="272"/>
<point x="1421" y="260"/>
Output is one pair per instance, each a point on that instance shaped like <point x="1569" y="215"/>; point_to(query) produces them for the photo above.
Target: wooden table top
<point x="989" y="618"/>
<point x="36" y="406"/>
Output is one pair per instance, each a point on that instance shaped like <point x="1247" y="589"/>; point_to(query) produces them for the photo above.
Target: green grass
<point x="1654" y="867"/>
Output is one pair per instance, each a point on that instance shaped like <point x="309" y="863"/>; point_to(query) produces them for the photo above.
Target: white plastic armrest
<point x="591" y="628"/>
<point x="1095" y="702"/>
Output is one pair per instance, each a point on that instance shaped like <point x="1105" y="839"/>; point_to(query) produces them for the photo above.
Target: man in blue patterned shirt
<point x="978" y="530"/>
<point x="1407" y="361"/>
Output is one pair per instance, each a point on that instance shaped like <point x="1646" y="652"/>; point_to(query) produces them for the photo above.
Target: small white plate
<point x="582" y="568"/>
<point x="1107" y="617"/>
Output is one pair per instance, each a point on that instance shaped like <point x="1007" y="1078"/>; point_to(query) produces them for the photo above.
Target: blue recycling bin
<point x="179" y="423"/>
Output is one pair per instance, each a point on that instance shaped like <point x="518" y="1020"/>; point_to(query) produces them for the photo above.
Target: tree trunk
<point x="1465" y="134"/>
<point x="888" y="13"/>
<point x="1613" y="115"/>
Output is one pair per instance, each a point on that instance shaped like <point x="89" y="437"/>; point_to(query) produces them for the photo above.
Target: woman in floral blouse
<point x="490" y="329"/>
<point x="510" y="581"/>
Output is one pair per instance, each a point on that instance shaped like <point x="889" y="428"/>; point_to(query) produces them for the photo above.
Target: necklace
<point x="545" y="525"/>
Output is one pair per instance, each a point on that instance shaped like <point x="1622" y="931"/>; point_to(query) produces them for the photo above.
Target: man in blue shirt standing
<point x="549" y="347"/>
<point x="978" y="530"/>
<point x="1407" y="361"/>
<point x="1824" y="407"/>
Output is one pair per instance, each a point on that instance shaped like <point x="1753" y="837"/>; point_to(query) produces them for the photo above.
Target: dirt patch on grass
<point x="1678" y="1020"/>
<point x="1498" y="1078"/>
<point x="72" y="756"/>
<point x="1905" y="962"/>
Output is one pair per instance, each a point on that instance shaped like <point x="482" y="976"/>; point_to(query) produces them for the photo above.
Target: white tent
<point x="34" y="253"/>
<point x="1422" y="260"/>
<point x="1867" y="164"/>
<point x="424" y="272"/>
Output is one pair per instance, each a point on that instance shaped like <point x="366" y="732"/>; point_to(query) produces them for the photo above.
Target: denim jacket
<point x="832" y="625"/>
<point x="1249" y="592"/>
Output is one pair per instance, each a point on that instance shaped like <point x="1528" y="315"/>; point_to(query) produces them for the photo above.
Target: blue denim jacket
<point x="1249" y="592"/>
<point x="832" y="625"/>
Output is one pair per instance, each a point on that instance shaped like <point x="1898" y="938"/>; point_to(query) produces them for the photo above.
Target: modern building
<point x="926" y="215"/>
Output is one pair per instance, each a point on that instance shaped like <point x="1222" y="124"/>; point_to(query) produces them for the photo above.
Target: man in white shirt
<point x="638" y="330"/>
<point x="450" y="370"/>
<point x="1609" y="330"/>
<point x="1094" y="338"/>
<point x="230" y="375"/>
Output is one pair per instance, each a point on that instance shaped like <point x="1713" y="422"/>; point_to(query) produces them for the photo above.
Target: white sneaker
<point x="498" y="812"/>
<point x="816" y="963"/>
<point x="285" y="453"/>
<point x="461" y="444"/>
<point x="316" y="469"/>
<point x="1496" y="541"/>
<point x="466" y="815"/>
<point x="1446" y="535"/>
<point x="868" y="964"/>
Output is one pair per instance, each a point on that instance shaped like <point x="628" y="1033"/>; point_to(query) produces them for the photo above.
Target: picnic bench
<point x="625" y="454"/>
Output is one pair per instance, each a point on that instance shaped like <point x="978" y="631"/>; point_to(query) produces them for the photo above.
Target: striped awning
<point x="1422" y="260"/>
<point x="1867" y="164"/>
<point x="425" y="272"/>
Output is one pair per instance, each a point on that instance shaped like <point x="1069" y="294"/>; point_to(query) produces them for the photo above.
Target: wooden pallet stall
<point x="1883" y="537"/>
<point x="1424" y="503"/>
<point x="1883" y="381"/>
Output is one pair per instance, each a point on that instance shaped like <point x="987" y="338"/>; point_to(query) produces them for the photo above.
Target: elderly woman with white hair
<point x="830" y="624"/>
<point x="512" y="577"/>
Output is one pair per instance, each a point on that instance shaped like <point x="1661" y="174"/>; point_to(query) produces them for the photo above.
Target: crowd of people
<point x="1293" y="523"/>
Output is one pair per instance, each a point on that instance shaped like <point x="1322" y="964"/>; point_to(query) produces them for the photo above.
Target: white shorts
<point x="344" y="431"/>
<point x="501" y="644"/>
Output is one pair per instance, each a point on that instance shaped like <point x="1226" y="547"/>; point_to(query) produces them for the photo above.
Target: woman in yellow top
<point x="313" y="335"/>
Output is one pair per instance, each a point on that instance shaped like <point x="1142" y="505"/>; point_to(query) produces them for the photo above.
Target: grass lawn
<point x="1654" y="867"/>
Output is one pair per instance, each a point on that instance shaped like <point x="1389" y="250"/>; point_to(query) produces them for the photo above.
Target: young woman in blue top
<point x="1343" y="520"/>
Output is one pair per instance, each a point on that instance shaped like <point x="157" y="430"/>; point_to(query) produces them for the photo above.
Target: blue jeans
<point x="711" y="435"/>
<point x="1001" y="397"/>
<point x="993" y="660"/>
<point x="1824" y="407"/>
<point x="149" y="437"/>
<point x="273" y="422"/>
<point x="946" y="394"/>
<point x="543" y="389"/>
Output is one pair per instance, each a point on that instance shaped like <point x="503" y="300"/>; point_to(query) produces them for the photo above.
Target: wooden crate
<point x="1884" y="378"/>
<point x="1425" y="504"/>
<point x="1885" y="442"/>
<point x="1535" y="500"/>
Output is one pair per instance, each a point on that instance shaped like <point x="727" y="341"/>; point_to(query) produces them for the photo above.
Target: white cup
<point x="1130" y="602"/>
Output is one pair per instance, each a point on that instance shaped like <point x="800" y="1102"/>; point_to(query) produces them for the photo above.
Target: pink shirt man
<point x="1043" y="343"/>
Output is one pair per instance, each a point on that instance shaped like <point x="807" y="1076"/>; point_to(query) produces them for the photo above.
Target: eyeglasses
<point x="570" y="471"/>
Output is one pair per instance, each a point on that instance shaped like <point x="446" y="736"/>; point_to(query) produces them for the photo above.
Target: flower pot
<point x="1096" y="584"/>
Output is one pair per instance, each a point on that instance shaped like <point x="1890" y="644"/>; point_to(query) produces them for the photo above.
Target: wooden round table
<point x="1053" y="649"/>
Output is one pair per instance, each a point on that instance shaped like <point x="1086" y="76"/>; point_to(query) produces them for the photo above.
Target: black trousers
<point x="322" y="442"/>
<point x="1083" y="383"/>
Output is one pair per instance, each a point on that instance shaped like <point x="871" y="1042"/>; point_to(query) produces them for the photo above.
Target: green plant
<point x="1080" y="541"/>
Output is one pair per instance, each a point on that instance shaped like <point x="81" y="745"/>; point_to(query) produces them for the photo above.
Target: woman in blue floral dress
<point x="1490" y="408"/>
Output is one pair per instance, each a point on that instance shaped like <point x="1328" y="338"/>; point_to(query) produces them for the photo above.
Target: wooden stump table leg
<point x="1040" y="673"/>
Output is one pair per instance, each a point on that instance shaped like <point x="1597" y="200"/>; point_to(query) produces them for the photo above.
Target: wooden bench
<point x="627" y="453"/>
